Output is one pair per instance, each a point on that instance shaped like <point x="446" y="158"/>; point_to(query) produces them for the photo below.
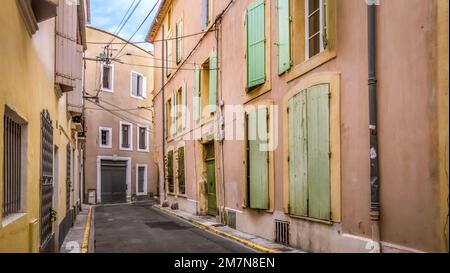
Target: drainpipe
<point x="163" y="104"/>
<point x="374" y="175"/>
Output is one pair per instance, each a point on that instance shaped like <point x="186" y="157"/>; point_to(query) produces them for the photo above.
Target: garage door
<point x="114" y="182"/>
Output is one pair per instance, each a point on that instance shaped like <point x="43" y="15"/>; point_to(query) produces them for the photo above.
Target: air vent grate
<point x="282" y="232"/>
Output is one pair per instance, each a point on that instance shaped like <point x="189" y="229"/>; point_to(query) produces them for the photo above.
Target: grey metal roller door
<point x="114" y="184"/>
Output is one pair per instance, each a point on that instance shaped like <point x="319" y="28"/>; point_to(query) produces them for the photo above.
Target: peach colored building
<point x="119" y="165"/>
<point x="301" y="71"/>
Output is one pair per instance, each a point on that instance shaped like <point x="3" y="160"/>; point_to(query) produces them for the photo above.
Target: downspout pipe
<point x="163" y="105"/>
<point x="374" y="174"/>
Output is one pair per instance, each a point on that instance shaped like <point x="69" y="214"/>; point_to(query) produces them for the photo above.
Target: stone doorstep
<point x="211" y="224"/>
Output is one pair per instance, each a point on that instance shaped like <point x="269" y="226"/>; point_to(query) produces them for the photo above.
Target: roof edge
<point x="118" y="37"/>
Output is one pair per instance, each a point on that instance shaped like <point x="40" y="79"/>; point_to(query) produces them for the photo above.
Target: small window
<point x="142" y="138"/>
<point x="126" y="136"/>
<point x="107" y="76"/>
<point x="169" y="112"/>
<point x="179" y="113"/>
<point x="138" y="85"/>
<point x="315" y="27"/>
<point x="105" y="137"/>
<point x="169" y="55"/>
<point x="14" y="160"/>
<point x="204" y="85"/>
<point x="179" y="41"/>
<point x="141" y="179"/>
<point x="207" y="13"/>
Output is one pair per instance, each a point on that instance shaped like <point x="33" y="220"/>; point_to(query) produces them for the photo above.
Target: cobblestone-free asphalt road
<point x="140" y="228"/>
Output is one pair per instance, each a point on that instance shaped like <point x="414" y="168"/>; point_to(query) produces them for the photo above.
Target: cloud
<point x="107" y="14"/>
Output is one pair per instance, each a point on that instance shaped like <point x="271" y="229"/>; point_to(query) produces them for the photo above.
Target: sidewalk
<point x="211" y="224"/>
<point x="73" y="243"/>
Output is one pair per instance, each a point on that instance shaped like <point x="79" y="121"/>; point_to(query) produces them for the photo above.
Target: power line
<point x="113" y="105"/>
<point x="143" y="22"/>
<point x="120" y="116"/>
<point x="125" y="19"/>
<point x="155" y="41"/>
<point x="169" y="68"/>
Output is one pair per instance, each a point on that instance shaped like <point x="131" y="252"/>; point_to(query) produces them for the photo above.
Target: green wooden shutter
<point x="298" y="155"/>
<point x="213" y="81"/>
<point x="196" y="102"/>
<point x="258" y="165"/>
<point x="284" y="51"/>
<point x="256" y="44"/>
<point x="319" y="186"/>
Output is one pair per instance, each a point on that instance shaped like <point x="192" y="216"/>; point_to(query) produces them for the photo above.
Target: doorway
<point x="113" y="181"/>
<point x="210" y="168"/>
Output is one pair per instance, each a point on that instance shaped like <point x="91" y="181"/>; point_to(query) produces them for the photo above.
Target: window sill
<point x="171" y="194"/>
<point x="307" y="66"/>
<point x="143" y="151"/>
<point x="184" y="196"/>
<point x="107" y="90"/>
<point x="105" y="147"/>
<point x="325" y="222"/>
<point x="126" y="149"/>
<point x="257" y="92"/>
<point x="12" y="218"/>
<point x="137" y="97"/>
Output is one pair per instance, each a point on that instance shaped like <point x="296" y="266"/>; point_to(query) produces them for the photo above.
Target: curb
<point x="87" y="230"/>
<point x="248" y="243"/>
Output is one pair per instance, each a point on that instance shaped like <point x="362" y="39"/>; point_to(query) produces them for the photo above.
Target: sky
<point x="107" y="14"/>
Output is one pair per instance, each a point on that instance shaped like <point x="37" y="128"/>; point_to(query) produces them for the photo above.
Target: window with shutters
<point x="179" y="41"/>
<point x="126" y="136"/>
<point x="312" y="165"/>
<point x="257" y="61"/>
<point x="138" y="85"/>
<point x="205" y="92"/>
<point x="181" y="172"/>
<point x="141" y="179"/>
<point x="257" y="158"/>
<point x="306" y="35"/>
<point x="256" y="44"/>
<point x="169" y="55"/>
<point x="169" y="118"/>
<point x="179" y="111"/>
<point x="14" y="160"/>
<point x="107" y="77"/>
<point x="142" y="138"/>
<point x="169" y="172"/>
<point x="105" y="137"/>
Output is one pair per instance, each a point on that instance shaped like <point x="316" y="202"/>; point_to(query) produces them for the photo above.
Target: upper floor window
<point x="142" y="138"/>
<point x="256" y="44"/>
<point x="205" y="92"/>
<point x="126" y="136"/>
<point x="305" y="30"/>
<point x="207" y="12"/>
<point x="179" y="41"/>
<point x="105" y="137"/>
<point x="169" y="55"/>
<point x="138" y="85"/>
<point x="107" y="77"/>
<point x="315" y="27"/>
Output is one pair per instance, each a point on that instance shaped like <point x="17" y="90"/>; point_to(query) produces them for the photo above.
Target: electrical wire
<point x="143" y="22"/>
<point x="125" y="21"/>
<point x="155" y="41"/>
<point x="137" y="124"/>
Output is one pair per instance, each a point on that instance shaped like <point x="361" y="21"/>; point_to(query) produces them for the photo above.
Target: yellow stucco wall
<point x="27" y="87"/>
